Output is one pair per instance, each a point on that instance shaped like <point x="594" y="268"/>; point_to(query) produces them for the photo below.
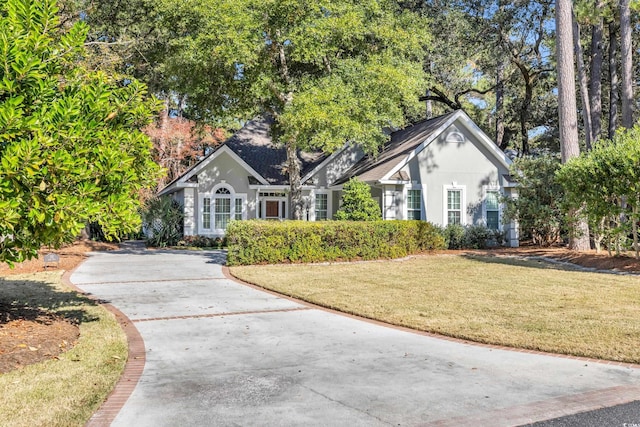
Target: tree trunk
<point x="294" y="181"/>
<point x="614" y="95"/>
<point x="584" y="88"/>
<point x="568" y="119"/>
<point x="500" y="103"/>
<point x="627" y="64"/>
<point x="595" y="77"/>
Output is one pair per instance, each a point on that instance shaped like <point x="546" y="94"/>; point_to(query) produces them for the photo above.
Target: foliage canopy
<point x="70" y="146"/>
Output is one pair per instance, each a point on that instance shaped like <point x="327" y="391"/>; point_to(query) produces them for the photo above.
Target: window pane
<point x="454" y="217"/>
<point x="491" y="200"/>
<point x="414" y="208"/>
<point x="222" y="212"/>
<point x="238" y="215"/>
<point x="413" y="199"/>
<point x="493" y="220"/>
<point x="206" y="212"/>
<point x="453" y="199"/>
<point x="321" y="206"/>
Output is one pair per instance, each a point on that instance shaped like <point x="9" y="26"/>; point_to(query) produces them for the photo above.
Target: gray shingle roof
<point x="402" y="143"/>
<point x="254" y="145"/>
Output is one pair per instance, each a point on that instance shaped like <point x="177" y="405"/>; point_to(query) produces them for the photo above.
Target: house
<point x="444" y="170"/>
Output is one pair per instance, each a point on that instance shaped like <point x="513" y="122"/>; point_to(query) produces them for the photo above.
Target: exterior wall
<point x="337" y="167"/>
<point x="223" y="171"/>
<point x="455" y="160"/>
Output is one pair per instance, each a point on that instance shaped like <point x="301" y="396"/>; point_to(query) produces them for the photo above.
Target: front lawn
<point x="496" y="300"/>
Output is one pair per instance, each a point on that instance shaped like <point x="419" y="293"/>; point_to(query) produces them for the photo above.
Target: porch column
<point x="189" y="212"/>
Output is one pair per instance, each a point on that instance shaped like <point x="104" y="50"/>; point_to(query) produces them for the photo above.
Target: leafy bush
<point x="163" y="222"/>
<point x="457" y="236"/>
<point x="203" y="242"/>
<point x="454" y="236"/>
<point x="357" y="203"/>
<point x="266" y="242"/>
<point x="539" y="205"/>
<point x="478" y="237"/>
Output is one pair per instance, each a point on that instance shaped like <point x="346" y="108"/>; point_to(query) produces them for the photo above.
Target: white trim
<point x="312" y="213"/>
<point x="393" y="182"/>
<point x="261" y="187"/>
<point x="212" y="196"/>
<point x="204" y="163"/>
<point x="466" y="121"/>
<point x="423" y="200"/>
<point x="445" y="203"/>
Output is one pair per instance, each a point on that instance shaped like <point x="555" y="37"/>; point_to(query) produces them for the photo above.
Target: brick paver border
<point x="110" y="408"/>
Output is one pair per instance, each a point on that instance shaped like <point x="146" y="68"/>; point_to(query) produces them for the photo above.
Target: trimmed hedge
<point x="268" y="242"/>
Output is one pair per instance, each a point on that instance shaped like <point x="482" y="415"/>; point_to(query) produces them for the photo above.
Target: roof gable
<point x="253" y="148"/>
<point x="406" y="143"/>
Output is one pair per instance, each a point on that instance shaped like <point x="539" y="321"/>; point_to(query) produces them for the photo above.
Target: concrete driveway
<point x="222" y="353"/>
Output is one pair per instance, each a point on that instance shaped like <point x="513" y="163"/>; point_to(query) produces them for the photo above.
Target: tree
<point x="568" y="120"/>
<point x="538" y="207"/>
<point x="327" y="73"/>
<point x="357" y="203"/>
<point x="179" y="143"/>
<point x="71" y="151"/>
<point x="626" y="60"/>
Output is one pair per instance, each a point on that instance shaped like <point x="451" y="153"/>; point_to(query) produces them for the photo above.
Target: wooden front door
<point x="272" y="209"/>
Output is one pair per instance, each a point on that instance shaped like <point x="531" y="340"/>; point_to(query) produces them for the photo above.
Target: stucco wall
<point x="455" y="159"/>
<point x="223" y="170"/>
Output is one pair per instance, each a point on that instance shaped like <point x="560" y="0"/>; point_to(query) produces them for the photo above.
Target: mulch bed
<point x="29" y="334"/>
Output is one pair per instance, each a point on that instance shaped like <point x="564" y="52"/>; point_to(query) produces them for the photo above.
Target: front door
<point x="272" y="209"/>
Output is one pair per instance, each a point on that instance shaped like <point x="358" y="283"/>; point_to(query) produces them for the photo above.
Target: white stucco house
<point x="443" y="170"/>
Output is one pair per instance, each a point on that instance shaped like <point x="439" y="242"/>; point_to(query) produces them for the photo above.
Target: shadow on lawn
<point x="40" y="301"/>
<point x="530" y="262"/>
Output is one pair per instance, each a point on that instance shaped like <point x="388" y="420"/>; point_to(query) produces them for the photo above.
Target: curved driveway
<point x="222" y="353"/>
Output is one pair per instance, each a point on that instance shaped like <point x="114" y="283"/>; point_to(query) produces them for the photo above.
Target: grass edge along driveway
<point x="494" y="300"/>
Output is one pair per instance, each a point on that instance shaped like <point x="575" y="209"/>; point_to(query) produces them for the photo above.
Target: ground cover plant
<point x="499" y="300"/>
<point x="79" y="346"/>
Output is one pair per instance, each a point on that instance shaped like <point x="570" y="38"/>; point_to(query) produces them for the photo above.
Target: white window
<point x="414" y="204"/>
<point x="492" y="209"/>
<point x="454" y="205"/>
<point x="206" y="213"/>
<point x="239" y="209"/>
<point x="220" y="207"/>
<point x="322" y="206"/>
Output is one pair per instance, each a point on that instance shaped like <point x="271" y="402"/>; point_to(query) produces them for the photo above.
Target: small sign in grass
<point x="503" y="301"/>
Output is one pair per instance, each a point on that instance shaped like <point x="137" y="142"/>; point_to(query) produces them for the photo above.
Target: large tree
<point x="568" y="120"/>
<point x="70" y="146"/>
<point x="327" y="72"/>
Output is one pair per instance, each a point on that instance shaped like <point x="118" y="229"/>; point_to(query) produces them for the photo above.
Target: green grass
<point x="502" y="301"/>
<point x="67" y="391"/>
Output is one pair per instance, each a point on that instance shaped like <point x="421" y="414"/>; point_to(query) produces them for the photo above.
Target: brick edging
<point x="228" y="275"/>
<point x="133" y="369"/>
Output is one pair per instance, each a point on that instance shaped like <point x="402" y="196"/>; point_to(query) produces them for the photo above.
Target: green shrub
<point x="357" y="203"/>
<point x="203" y="242"/>
<point x="457" y="236"/>
<point x="477" y="237"/>
<point x="267" y="242"/>
<point x="163" y="222"/>
<point x="454" y="235"/>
